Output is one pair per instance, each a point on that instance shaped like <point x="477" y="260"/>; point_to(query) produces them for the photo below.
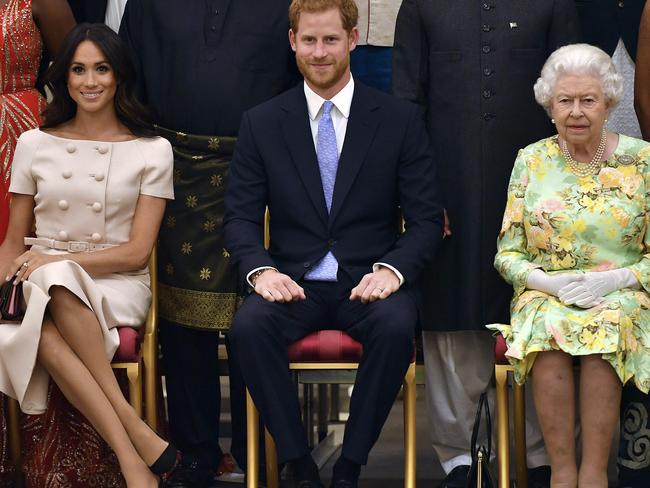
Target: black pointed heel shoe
<point x="166" y="462"/>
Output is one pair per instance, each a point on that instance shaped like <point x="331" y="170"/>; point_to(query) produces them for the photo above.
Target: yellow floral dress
<point x="559" y="222"/>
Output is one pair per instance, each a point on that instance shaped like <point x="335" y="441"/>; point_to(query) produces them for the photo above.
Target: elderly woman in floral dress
<point x="575" y="246"/>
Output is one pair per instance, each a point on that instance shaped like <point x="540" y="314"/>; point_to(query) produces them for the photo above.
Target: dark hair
<point x="129" y="110"/>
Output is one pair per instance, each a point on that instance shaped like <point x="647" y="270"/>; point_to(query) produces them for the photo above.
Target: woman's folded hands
<point x="596" y="285"/>
<point x="584" y="290"/>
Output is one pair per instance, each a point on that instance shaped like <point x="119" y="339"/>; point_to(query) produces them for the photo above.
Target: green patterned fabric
<point x="559" y="222"/>
<point x="197" y="283"/>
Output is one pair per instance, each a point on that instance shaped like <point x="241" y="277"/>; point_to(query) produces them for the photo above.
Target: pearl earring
<point x="552" y="121"/>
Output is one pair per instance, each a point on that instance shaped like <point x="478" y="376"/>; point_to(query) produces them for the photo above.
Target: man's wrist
<point x="253" y="277"/>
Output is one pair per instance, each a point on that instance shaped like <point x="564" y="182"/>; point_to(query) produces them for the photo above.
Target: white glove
<point x="596" y="285"/>
<point x="551" y="284"/>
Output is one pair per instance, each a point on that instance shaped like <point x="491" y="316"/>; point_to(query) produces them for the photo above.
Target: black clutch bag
<point x="11" y="301"/>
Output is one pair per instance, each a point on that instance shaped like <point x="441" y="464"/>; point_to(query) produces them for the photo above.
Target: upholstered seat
<point x="326" y="346"/>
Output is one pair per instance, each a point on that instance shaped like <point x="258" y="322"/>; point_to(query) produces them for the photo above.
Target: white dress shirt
<point x="340" y="114"/>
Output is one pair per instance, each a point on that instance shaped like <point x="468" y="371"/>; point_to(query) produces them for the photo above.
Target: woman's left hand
<point x="27" y="262"/>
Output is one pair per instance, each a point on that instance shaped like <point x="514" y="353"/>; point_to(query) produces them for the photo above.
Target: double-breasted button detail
<point x="63" y="204"/>
<point x="96" y="237"/>
<point x="97" y="207"/>
<point x="487" y="6"/>
<point x="102" y="149"/>
<point x="487" y="71"/>
<point x="99" y="176"/>
<point x="487" y="28"/>
<point x="70" y="147"/>
<point x="487" y="93"/>
<point x="486" y="49"/>
<point x="63" y="235"/>
<point x="66" y="173"/>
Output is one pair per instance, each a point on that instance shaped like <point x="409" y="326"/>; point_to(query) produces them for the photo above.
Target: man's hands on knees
<point x="377" y="285"/>
<point x="274" y="286"/>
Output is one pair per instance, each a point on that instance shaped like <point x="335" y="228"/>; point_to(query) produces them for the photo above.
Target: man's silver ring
<point x="25" y="264"/>
<point x="381" y="290"/>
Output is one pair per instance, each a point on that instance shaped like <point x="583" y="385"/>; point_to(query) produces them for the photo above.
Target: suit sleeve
<point x="565" y="25"/>
<point x="131" y="29"/>
<point x="246" y="199"/>
<point x="419" y="202"/>
<point x="410" y="55"/>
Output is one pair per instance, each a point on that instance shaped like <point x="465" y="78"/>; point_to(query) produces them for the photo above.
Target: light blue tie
<point x="328" y="162"/>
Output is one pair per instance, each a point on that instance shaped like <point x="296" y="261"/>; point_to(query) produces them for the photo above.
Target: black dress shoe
<point x="308" y="484"/>
<point x="457" y="477"/>
<point x="190" y="476"/>
<point x="539" y="477"/>
<point x="344" y="484"/>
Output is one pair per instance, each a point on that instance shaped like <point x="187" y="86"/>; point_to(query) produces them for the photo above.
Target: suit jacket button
<point x="306" y="265"/>
<point x="331" y="242"/>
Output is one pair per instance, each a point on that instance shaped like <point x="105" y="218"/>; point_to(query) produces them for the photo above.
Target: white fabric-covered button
<point x="63" y="235"/>
<point x="70" y="147"/>
<point x="97" y="207"/>
<point x="63" y="204"/>
<point x="66" y="173"/>
<point x="99" y="176"/>
<point x="103" y="149"/>
<point x="96" y="237"/>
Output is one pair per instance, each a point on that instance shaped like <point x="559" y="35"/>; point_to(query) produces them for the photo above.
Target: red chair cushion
<point x="500" y="349"/>
<point x="130" y="340"/>
<point x="326" y="346"/>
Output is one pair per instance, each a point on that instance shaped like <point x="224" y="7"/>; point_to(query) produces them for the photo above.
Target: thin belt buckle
<point x="78" y="246"/>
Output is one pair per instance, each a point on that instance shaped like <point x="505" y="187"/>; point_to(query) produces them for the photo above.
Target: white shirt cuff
<point x="376" y="266"/>
<point x="248" y="276"/>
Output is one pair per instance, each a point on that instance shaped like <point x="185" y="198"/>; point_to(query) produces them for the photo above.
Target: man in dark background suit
<point x="336" y="258"/>
<point x="472" y="65"/>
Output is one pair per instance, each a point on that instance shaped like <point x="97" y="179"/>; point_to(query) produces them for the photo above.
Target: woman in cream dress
<point x="95" y="186"/>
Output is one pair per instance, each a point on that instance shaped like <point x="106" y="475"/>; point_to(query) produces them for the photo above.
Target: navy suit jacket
<point x="386" y="167"/>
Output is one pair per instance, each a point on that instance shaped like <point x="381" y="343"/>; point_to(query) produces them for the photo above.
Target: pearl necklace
<point x="593" y="166"/>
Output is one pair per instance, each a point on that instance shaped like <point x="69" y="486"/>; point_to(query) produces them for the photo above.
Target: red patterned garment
<point x="62" y="450"/>
<point x="20" y="103"/>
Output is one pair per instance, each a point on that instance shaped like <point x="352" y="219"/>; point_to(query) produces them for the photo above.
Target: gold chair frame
<point x="503" y="428"/>
<point x="147" y="361"/>
<point x="252" y="419"/>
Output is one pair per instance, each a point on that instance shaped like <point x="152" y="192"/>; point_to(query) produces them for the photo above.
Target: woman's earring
<point x="552" y="121"/>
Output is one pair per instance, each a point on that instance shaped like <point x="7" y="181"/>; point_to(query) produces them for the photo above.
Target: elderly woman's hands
<point x="27" y="262"/>
<point x="596" y="285"/>
<point x="551" y="284"/>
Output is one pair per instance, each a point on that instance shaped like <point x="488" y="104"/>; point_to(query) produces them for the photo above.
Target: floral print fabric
<point x="562" y="223"/>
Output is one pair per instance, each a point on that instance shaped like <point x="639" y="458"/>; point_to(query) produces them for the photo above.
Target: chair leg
<point x="519" y="412"/>
<point x="135" y="387"/>
<point x="409" y="427"/>
<point x="150" y="390"/>
<point x="503" y="445"/>
<point x="272" y="475"/>
<point x="13" y="428"/>
<point x="322" y="412"/>
<point x="252" y="448"/>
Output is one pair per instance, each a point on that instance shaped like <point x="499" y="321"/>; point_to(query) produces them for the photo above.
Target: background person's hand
<point x="551" y="283"/>
<point x="274" y="286"/>
<point x="446" y="229"/>
<point x="377" y="285"/>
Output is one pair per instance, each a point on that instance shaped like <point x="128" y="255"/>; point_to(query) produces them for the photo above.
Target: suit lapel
<point x="362" y="125"/>
<point x="297" y="134"/>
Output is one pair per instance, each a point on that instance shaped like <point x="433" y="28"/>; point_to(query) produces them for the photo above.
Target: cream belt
<point x="70" y="246"/>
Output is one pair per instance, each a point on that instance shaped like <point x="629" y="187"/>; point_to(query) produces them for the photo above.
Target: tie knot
<point x="327" y="107"/>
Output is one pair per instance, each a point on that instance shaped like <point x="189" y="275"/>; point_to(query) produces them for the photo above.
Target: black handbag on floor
<point x="479" y="472"/>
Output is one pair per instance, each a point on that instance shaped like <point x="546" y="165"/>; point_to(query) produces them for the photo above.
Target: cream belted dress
<point x="83" y="191"/>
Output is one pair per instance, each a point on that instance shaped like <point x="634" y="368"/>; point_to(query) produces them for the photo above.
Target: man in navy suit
<point x="336" y="163"/>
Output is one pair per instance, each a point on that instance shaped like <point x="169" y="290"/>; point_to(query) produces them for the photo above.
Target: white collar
<point x="342" y="100"/>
